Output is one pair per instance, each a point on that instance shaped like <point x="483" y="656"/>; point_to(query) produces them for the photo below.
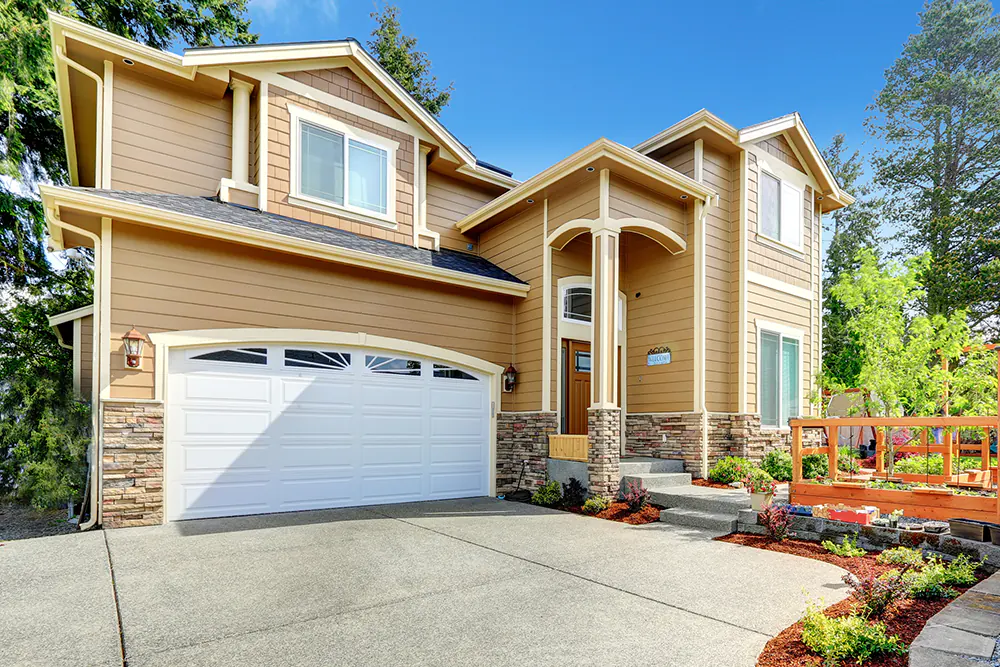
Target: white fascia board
<point x="71" y="315"/>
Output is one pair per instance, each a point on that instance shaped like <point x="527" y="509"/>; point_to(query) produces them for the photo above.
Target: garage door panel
<point x="248" y="438"/>
<point x="225" y="422"/>
<point x="219" y="388"/>
<point x="322" y="393"/>
<point x="306" y="456"/>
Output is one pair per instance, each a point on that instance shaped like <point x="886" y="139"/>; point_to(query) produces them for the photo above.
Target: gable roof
<point x="240" y="224"/>
<point x="630" y="161"/>
<point x="213" y="61"/>
<point x="705" y="124"/>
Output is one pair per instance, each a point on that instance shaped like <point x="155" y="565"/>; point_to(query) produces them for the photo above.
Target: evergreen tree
<point x="938" y="119"/>
<point x="398" y="54"/>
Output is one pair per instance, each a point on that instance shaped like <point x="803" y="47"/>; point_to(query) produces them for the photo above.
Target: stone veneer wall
<point x="728" y="435"/>
<point x="523" y="436"/>
<point x="604" y="454"/>
<point x="132" y="493"/>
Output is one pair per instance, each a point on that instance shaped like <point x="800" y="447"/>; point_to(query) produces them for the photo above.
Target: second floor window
<point x="340" y="166"/>
<point x="780" y="211"/>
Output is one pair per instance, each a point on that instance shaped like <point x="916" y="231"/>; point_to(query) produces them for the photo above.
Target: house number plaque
<point x="658" y="356"/>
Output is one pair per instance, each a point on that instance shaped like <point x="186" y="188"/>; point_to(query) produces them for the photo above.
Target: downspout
<point x="702" y="403"/>
<point x="99" y="153"/>
<point x="94" y="453"/>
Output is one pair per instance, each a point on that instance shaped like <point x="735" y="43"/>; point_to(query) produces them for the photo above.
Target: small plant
<point x="876" y="595"/>
<point x="848" y="548"/>
<point x="815" y="465"/>
<point x="635" y="495"/>
<point x="778" y="464"/>
<point x="729" y="469"/>
<point x="959" y="572"/>
<point x="758" y="481"/>
<point x="573" y="493"/>
<point x="548" y="495"/>
<point x="847" y="463"/>
<point x="929" y="584"/>
<point x="846" y="638"/>
<point x="903" y="556"/>
<point x="596" y="504"/>
<point x="776" y="519"/>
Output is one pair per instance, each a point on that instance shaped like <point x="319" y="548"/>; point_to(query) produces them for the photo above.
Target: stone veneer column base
<point x="677" y="435"/>
<point x="523" y="436"/>
<point x="604" y="454"/>
<point x="132" y="493"/>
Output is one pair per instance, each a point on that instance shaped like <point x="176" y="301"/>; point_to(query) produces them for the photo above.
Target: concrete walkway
<point x="966" y="633"/>
<point x="443" y="583"/>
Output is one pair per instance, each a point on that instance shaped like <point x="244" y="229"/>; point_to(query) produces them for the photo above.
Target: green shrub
<point x="573" y="493"/>
<point x="846" y="462"/>
<point x="959" y="572"/>
<point x="596" y="504"/>
<point x="846" y="638"/>
<point x="848" y="548"/>
<point x="778" y="464"/>
<point x="928" y="584"/>
<point x="815" y="465"/>
<point x="934" y="464"/>
<point x="730" y="469"/>
<point x="902" y="556"/>
<point x="548" y="495"/>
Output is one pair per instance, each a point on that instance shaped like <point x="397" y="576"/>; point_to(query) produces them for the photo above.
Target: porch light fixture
<point x="509" y="378"/>
<point x="133" y="348"/>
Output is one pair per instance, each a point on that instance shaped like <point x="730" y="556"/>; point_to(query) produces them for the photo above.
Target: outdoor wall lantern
<point x="509" y="378"/>
<point x="133" y="348"/>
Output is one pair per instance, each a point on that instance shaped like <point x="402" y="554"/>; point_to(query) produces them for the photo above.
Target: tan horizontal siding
<point x="779" y="147"/>
<point x="577" y="199"/>
<point x="164" y="281"/>
<point x="448" y="201"/>
<point x="279" y="168"/>
<point x="343" y="83"/>
<point x="86" y="344"/>
<point x="720" y="375"/>
<point x="767" y="257"/>
<point x="628" y="200"/>
<point x="167" y="139"/>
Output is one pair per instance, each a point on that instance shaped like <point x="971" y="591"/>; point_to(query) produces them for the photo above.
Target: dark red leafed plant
<point x="635" y="495"/>
<point x="777" y="520"/>
<point x="874" y="594"/>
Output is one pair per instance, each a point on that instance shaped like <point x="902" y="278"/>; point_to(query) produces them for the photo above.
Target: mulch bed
<point x="620" y="512"/>
<point x="711" y="485"/>
<point x="906" y="620"/>
<point x="19" y="522"/>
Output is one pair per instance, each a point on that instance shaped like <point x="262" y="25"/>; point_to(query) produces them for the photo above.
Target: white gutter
<point x="94" y="452"/>
<point x="99" y="152"/>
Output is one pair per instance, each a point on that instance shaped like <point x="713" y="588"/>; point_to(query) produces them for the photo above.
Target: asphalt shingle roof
<point x="211" y="208"/>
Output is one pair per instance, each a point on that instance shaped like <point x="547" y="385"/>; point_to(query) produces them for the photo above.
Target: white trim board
<point x="779" y="285"/>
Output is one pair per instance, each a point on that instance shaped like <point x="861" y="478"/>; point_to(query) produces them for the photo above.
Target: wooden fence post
<point x="985" y="450"/>
<point x="947" y="452"/>
<point x="832" y="441"/>
<point x="879" y="450"/>
<point x="796" y="454"/>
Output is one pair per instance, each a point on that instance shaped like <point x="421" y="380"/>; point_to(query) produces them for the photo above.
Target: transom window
<point x="442" y="371"/>
<point x="337" y="165"/>
<point x="577" y="305"/>
<point x="242" y="355"/>
<point x="391" y="365"/>
<point x="780" y="210"/>
<point x="779" y="370"/>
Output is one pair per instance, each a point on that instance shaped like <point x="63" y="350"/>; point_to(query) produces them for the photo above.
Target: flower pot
<point x="759" y="501"/>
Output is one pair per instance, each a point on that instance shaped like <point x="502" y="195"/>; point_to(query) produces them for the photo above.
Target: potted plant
<point x="761" y="487"/>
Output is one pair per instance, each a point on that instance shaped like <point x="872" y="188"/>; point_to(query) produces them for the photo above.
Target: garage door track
<point x="440" y="583"/>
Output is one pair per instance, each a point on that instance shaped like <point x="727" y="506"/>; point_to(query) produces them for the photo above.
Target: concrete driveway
<point x="480" y="582"/>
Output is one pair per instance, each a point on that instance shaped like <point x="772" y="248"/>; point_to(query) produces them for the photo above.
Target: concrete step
<point x="719" y="522"/>
<point x="703" y="499"/>
<point x="640" y="465"/>
<point x="658" y="480"/>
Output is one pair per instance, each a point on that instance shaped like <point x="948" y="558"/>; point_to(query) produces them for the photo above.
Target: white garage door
<point x="255" y="429"/>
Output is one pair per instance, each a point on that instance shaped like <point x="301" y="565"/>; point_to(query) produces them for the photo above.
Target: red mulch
<point x="621" y="512"/>
<point x="711" y="485"/>
<point x="906" y="620"/>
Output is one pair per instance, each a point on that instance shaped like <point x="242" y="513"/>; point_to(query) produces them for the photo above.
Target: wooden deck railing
<point x="852" y="484"/>
<point x="568" y="447"/>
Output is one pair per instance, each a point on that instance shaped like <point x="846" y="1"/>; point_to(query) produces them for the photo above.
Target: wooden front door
<point x="578" y="386"/>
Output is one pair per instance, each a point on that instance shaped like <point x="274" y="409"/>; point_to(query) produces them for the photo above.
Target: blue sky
<point x="536" y="81"/>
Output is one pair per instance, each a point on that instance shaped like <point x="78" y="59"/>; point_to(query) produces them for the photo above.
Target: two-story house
<point x="341" y="305"/>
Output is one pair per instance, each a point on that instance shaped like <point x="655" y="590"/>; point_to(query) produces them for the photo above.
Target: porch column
<point x="241" y="130"/>
<point x="604" y="415"/>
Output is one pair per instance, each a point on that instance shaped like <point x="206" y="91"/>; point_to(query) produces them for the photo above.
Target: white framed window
<point x="780" y="210"/>
<point x="577" y="304"/>
<point x="341" y="168"/>
<point x="779" y="374"/>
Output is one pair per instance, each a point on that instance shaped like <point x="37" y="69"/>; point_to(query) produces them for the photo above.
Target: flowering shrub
<point x="776" y="519"/>
<point x="636" y="496"/>
<point x="758" y="481"/>
<point x="730" y="469"/>
<point x="876" y="595"/>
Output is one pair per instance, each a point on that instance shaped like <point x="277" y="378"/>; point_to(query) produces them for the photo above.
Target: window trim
<point x="298" y="115"/>
<point x="782" y="331"/>
<point x="782" y="182"/>
<point x="562" y="306"/>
